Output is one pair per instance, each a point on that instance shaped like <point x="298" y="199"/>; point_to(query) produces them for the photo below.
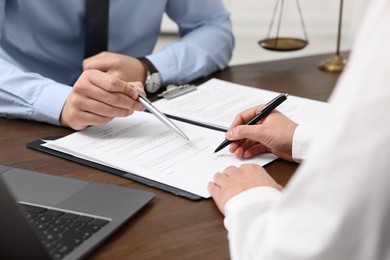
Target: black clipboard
<point x="36" y="145"/>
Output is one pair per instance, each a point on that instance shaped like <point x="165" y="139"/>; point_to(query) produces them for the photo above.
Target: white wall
<point x="251" y="20"/>
<point x="321" y="17"/>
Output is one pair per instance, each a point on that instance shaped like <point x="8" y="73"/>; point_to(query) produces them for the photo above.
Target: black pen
<point x="274" y="103"/>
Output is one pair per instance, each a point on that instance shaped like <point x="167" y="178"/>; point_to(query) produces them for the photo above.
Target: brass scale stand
<point x="334" y="64"/>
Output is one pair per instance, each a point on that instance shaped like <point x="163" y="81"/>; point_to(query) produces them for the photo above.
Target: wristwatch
<point x="153" y="79"/>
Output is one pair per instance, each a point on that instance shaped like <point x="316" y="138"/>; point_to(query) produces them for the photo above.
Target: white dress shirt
<point x="42" y="47"/>
<point x="303" y="137"/>
<point x="337" y="205"/>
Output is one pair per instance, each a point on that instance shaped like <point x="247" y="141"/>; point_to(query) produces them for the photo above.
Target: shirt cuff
<point x="302" y="139"/>
<point x="250" y="202"/>
<point x="48" y="106"/>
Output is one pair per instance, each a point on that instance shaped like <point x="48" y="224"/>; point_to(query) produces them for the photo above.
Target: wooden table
<point x="171" y="227"/>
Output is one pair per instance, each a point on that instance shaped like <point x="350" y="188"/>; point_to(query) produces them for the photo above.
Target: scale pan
<point x="283" y="44"/>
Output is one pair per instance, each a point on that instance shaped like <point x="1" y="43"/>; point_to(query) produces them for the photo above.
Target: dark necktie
<point x="96" y="21"/>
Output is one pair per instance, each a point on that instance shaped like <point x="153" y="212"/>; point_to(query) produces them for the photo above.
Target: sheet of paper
<point x="142" y="145"/>
<point x="217" y="102"/>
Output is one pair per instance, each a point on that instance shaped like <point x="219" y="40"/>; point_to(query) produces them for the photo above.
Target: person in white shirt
<point x="337" y="204"/>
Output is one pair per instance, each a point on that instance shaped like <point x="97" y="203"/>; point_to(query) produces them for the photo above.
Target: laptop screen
<point x="18" y="239"/>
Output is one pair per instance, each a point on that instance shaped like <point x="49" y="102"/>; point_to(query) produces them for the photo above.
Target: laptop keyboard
<point x="60" y="231"/>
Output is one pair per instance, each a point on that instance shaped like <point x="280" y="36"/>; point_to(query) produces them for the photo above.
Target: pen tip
<point x="182" y="134"/>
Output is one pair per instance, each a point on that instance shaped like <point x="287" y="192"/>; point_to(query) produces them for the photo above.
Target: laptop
<point x="50" y="217"/>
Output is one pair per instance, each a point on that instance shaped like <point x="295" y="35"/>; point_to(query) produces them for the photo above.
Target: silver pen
<point x="147" y="104"/>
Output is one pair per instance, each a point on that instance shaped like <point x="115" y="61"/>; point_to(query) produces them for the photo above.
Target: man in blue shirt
<point x="46" y="78"/>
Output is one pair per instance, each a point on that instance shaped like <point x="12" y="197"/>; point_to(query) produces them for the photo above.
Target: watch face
<point x="153" y="82"/>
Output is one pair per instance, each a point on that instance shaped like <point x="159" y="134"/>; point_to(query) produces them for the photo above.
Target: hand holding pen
<point x="269" y="107"/>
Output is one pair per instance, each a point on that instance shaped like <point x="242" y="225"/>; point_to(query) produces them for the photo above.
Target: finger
<point x="246" y="144"/>
<point x="234" y="145"/>
<point x="212" y="187"/>
<point x="104" y="109"/>
<point x="87" y="86"/>
<point x="216" y="193"/>
<point x="245" y="116"/>
<point x="220" y="179"/>
<point x="254" y="150"/>
<point x="97" y="62"/>
<point x="128" y="90"/>
<point x="79" y="120"/>
<point x="230" y="170"/>
<point x="132" y="85"/>
<point x="217" y="176"/>
<point x="240" y="150"/>
<point x="112" y="99"/>
<point x="86" y="119"/>
<point x="245" y="132"/>
<point x="106" y="81"/>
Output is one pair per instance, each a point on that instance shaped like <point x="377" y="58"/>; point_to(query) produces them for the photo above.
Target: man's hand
<point x="233" y="181"/>
<point x="125" y="67"/>
<point x="97" y="98"/>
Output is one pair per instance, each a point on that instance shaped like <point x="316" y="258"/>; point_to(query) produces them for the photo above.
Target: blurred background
<point x="251" y="21"/>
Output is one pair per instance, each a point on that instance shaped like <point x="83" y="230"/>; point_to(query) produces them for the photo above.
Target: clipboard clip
<point x="176" y="90"/>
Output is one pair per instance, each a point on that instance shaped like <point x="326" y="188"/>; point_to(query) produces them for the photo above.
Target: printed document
<point x="140" y="144"/>
<point x="217" y="102"/>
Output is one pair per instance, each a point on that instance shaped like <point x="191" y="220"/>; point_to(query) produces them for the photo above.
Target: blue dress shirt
<point x="42" y="47"/>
